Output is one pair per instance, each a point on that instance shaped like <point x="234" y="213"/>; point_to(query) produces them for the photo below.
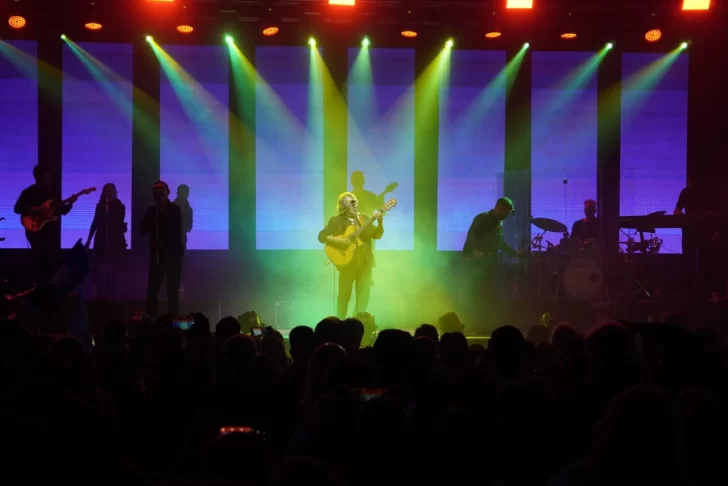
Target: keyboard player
<point x="697" y="239"/>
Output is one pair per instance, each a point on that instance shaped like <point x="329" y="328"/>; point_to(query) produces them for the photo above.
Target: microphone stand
<point x="156" y="233"/>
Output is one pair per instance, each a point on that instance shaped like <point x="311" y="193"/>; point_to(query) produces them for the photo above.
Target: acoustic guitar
<point x="341" y="256"/>
<point x="36" y="222"/>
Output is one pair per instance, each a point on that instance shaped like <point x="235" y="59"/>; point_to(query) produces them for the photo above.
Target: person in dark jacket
<point x="45" y="244"/>
<point x="107" y="232"/>
<point x="359" y="270"/>
<point x="163" y="222"/>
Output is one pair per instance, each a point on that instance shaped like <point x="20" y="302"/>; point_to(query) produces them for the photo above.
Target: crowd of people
<point x="339" y="403"/>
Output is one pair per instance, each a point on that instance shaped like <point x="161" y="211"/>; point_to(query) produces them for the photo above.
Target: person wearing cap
<point x="163" y="222"/>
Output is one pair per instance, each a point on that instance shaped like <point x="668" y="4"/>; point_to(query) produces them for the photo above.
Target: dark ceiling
<point x="593" y="19"/>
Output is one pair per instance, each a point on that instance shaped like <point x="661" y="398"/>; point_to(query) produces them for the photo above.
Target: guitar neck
<point x="368" y="223"/>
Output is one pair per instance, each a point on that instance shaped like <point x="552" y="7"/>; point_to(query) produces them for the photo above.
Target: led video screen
<point x="654" y="137"/>
<point x="194" y="137"/>
<point x="471" y="142"/>
<point x="97" y="130"/>
<point x="18" y="132"/>
<point x="289" y="149"/>
<point x="381" y="137"/>
<point x="564" y="130"/>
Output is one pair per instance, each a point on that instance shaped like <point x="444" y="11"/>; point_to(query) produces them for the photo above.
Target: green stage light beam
<point x="200" y="107"/>
<point x="111" y="81"/>
<point x="360" y="84"/>
<point x="449" y="43"/>
<point x="63" y="36"/>
<point x="365" y="42"/>
<point x="244" y="73"/>
<point x="108" y="79"/>
<point x="32" y="67"/>
<point x="609" y="45"/>
<point x="312" y="42"/>
<point x="684" y="46"/>
<point x="481" y="107"/>
<point x="149" y="39"/>
<point x="571" y="84"/>
<point x="229" y="40"/>
<point x="634" y="91"/>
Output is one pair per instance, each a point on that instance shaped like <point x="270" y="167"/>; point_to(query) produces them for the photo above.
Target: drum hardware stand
<point x="537" y="244"/>
<point x="647" y="248"/>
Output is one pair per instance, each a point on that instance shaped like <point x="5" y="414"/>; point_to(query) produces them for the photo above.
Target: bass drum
<point x="582" y="279"/>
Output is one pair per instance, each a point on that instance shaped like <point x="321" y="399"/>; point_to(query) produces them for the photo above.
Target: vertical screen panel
<point x="18" y="132"/>
<point x="654" y="137"/>
<point x="472" y="143"/>
<point x="194" y="127"/>
<point x="564" y="131"/>
<point x="289" y="150"/>
<point x="381" y="141"/>
<point x="97" y="130"/>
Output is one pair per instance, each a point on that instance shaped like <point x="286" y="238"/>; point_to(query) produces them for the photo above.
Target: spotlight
<point x="493" y="35"/>
<point x="653" y="35"/>
<point x="149" y="39"/>
<point x="696" y="5"/>
<point x="526" y="45"/>
<point x="568" y="35"/>
<point x="17" y="22"/>
<point x="523" y="4"/>
<point x="609" y="45"/>
<point x="229" y="39"/>
<point x="365" y="42"/>
<point x="409" y="34"/>
<point x="93" y="26"/>
<point x="271" y="31"/>
<point x="185" y="29"/>
<point x="683" y="46"/>
<point x="63" y="36"/>
<point x="312" y="42"/>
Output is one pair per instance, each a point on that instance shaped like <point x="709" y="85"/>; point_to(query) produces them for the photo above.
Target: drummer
<point x="587" y="228"/>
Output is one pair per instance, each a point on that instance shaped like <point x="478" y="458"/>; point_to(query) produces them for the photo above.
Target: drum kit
<point x="577" y="264"/>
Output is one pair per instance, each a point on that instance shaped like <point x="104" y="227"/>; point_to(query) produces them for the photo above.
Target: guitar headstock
<point x="389" y="205"/>
<point x="87" y="191"/>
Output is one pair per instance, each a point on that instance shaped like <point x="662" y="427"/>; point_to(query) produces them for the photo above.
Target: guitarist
<point x="359" y="270"/>
<point x="44" y="244"/>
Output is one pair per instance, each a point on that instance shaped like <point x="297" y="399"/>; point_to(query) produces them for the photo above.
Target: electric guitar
<point x="342" y="256"/>
<point x="36" y="222"/>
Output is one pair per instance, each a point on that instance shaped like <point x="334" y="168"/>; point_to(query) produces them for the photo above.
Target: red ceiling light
<point x="348" y="3"/>
<point x="653" y="35"/>
<point x="568" y="35"/>
<point x="409" y="34"/>
<point x="271" y="31"/>
<point x="525" y="4"/>
<point x="185" y="29"/>
<point x="93" y="26"/>
<point x="696" y="5"/>
<point x="493" y="35"/>
<point x="17" y="22"/>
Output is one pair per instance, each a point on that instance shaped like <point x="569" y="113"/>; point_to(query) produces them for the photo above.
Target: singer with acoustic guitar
<point x="348" y="237"/>
<point x="39" y="216"/>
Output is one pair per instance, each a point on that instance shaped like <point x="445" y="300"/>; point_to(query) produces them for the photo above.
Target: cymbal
<point x="549" y="225"/>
